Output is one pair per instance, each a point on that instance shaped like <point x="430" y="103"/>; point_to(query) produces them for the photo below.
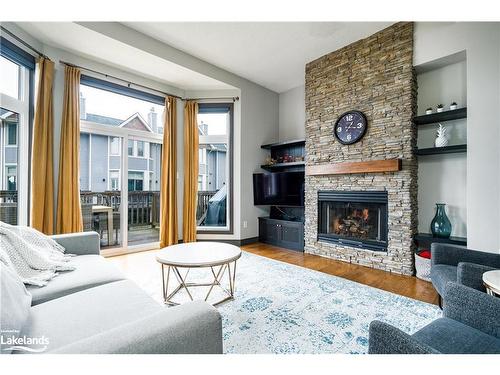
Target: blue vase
<point x="441" y="225"/>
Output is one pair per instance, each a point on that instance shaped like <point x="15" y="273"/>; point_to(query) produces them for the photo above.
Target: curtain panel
<point x="69" y="213"/>
<point x="42" y="175"/>
<point x="190" y="171"/>
<point x="168" y="189"/>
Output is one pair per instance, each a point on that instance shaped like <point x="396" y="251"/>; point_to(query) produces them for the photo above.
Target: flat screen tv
<point x="278" y="189"/>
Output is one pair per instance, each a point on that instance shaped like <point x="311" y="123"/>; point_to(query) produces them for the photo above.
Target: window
<point x="11" y="175"/>
<point x="12" y="134"/>
<point x="114" y="180"/>
<point x="130" y="148"/>
<point x="135" y="181"/>
<point x="16" y="79"/>
<point x="215" y="161"/>
<point x="140" y="149"/>
<point x="9" y="78"/>
<point x="114" y="148"/>
<point x="122" y="119"/>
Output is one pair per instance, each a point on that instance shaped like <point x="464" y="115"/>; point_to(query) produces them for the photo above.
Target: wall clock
<point x="350" y="127"/>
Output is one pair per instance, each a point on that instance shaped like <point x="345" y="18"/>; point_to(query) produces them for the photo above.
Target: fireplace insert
<point x="353" y="218"/>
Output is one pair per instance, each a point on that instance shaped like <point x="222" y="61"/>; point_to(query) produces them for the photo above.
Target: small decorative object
<point x="453" y="106"/>
<point x="428" y="111"/>
<point x="270" y="161"/>
<point x="441" y="139"/>
<point x="440" y="108"/>
<point x="423" y="265"/>
<point x="441" y="225"/>
<point x="350" y="127"/>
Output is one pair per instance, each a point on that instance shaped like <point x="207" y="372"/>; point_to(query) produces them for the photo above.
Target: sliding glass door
<point x="120" y="156"/>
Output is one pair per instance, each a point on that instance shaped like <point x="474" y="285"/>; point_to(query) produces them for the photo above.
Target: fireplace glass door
<point x="354" y="219"/>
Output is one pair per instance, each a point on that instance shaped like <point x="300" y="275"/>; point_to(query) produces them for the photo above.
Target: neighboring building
<point x="100" y="155"/>
<point x="212" y="164"/>
<point x="8" y="150"/>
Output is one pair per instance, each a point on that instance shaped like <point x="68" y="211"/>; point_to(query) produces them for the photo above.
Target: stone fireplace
<point x="367" y="218"/>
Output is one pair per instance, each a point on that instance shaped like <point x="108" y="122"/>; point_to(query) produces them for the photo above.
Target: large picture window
<point x="214" y="210"/>
<point x="16" y="81"/>
<point x="119" y="172"/>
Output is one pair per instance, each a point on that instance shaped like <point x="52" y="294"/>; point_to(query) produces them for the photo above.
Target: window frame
<point x="23" y="105"/>
<point x="211" y="107"/>
<point x="110" y="140"/>
<point x="7" y="135"/>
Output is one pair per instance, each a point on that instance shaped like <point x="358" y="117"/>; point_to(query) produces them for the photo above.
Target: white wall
<point x="292" y="114"/>
<point x="481" y="42"/>
<point x="443" y="178"/>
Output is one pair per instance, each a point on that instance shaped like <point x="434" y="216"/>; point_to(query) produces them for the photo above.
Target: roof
<point x="134" y="122"/>
<point x="104" y="120"/>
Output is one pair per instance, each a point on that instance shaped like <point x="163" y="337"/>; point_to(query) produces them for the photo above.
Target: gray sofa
<point x="461" y="265"/>
<point x="95" y="309"/>
<point x="470" y="325"/>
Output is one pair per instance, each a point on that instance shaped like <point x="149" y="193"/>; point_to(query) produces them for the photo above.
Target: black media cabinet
<point x="282" y="233"/>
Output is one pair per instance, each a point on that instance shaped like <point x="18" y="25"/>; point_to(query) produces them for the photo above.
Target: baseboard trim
<point x="243" y="242"/>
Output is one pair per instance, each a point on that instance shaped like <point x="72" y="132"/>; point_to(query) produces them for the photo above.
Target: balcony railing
<point x="143" y="206"/>
<point x="202" y="205"/>
<point x="8" y="206"/>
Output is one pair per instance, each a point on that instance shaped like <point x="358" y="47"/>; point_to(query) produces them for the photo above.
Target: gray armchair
<point x="461" y="265"/>
<point x="470" y="325"/>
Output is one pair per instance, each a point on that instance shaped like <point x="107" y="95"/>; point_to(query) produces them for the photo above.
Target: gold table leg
<point x="183" y="284"/>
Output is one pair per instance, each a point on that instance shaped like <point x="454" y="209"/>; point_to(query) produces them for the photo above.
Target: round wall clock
<point x="350" y="127"/>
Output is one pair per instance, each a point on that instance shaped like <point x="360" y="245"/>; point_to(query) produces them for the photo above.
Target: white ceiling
<point x="272" y="54"/>
<point x="84" y="42"/>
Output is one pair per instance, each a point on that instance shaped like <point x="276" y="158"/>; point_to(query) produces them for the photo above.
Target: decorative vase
<point x="441" y="139"/>
<point x="441" y="225"/>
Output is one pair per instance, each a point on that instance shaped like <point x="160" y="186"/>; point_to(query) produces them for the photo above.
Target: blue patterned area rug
<point x="282" y="308"/>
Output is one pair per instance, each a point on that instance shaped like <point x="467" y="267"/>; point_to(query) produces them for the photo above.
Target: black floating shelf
<point x="295" y="142"/>
<point x="433" y="118"/>
<point x="429" y="238"/>
<point x="283" y="165"/>
<point x="441" y="150"/>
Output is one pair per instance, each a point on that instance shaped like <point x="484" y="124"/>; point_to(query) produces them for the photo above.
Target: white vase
<point x="441" y="139"/>
<point x="441" y="142"/>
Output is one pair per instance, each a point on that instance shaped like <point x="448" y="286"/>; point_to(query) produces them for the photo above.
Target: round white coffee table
<point x="219" y="257"/>
<point x="491" y="280"/>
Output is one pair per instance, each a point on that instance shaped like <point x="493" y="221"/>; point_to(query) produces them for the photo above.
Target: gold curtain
<point x="190" y="171"/>
<point x="69" y="213"/>
<point x="42" y="176"/>
<point x="168" y="189"/>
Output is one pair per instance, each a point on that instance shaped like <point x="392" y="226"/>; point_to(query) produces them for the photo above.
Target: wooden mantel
<point x="372" y="166"/>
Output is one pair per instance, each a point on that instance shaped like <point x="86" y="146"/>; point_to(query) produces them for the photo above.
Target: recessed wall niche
<point x="442" y="178"/>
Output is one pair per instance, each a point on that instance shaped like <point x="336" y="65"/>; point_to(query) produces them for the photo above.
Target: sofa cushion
<point x="86" y="313"/>
<point x="441" y="274"/>
<point x="451" y="337"/>
<point x="91" y="271"/>
<point x="15" y="303"/>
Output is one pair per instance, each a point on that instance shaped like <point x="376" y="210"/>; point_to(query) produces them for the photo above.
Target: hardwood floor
<point x="141" y="267"/>
<point x="408" y="286"/>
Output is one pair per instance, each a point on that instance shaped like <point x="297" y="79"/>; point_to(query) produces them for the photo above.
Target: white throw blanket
<point x="34" y="256"/>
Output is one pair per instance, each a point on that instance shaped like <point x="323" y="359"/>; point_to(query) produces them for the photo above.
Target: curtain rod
<point x="23" y="42"/>
<point x="233" y="98"/>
